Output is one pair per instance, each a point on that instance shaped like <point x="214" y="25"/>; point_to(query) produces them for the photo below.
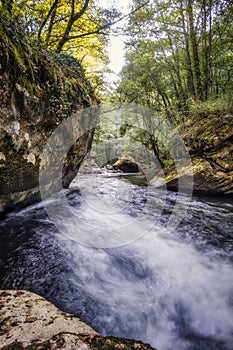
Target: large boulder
<point x="126" y="165"/>
<point x="38" y="91"/>
<point x="30" y="322"/>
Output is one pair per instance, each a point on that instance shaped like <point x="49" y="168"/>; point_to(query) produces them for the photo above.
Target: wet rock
<point x="30" y="322"/>
<point x="126" y="165"/>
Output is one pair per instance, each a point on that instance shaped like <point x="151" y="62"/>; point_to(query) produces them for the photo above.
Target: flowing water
<point x="116" y="266"/>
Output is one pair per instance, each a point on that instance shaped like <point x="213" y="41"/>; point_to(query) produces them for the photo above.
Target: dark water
<point x="171" y="289"/>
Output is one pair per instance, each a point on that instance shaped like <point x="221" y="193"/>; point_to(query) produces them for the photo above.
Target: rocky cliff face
<point x="209" y="140"/>
<point x="28" y="321"/>
<point x="38" y="90"/>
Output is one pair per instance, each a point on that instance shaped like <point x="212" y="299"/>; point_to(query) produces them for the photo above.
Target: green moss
<point x="15" y="178"/>
<point x="37" y="69"/>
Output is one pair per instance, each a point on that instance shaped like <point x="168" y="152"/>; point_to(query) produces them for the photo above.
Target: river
<point x="116" y="266"/>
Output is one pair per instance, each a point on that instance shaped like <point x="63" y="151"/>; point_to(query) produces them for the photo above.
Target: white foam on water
<point x="157" y="288"/>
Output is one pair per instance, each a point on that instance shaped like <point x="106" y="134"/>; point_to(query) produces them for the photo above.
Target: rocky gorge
<point x="38" y="91"/>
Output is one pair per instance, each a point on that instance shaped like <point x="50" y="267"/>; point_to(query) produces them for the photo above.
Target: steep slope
<point x="209" y="141"/>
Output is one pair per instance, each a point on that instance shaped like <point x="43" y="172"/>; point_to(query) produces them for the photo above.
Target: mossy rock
<point x="39" y="89"/>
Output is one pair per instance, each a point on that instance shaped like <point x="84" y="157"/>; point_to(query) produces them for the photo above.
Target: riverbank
<point x="208" y="136"/>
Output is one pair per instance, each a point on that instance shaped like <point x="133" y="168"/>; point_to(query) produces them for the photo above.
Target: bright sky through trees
<point x="116" y="45"/>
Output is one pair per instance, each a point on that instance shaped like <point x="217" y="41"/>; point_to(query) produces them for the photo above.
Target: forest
<point x="178" y="53"/>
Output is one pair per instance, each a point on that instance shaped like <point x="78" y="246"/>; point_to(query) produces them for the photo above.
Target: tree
<point x="74" y="27"/>
<point x="7" y="6"/>
<point x="189" y="46"/>
<point x="179" y="53"/>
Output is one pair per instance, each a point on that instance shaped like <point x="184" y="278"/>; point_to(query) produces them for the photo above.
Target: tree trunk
<point x="155" y="150"/>
<point x="73" y="18"/>
<point x="190" y="80"/>
<point x="195" y="55"/>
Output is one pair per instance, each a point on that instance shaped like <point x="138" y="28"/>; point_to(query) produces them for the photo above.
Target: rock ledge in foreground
<point x="29" y="322"/>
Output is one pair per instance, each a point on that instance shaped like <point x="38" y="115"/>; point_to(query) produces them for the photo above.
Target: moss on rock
<point x="38" y="91"/>
<point x="209" y="141"/>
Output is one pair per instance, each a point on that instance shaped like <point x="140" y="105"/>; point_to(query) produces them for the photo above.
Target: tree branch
<point x="47" y="17"/>
<point x="73" y="18"/>
<point x="109" y="24"/>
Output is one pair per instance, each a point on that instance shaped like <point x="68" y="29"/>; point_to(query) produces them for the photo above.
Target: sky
<point x="116" y="54"/>
<point x="116" y="45"/>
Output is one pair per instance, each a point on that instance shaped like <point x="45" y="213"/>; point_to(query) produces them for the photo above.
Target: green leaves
<point x="177" y="52"/>
<point x="77" y="28"/>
